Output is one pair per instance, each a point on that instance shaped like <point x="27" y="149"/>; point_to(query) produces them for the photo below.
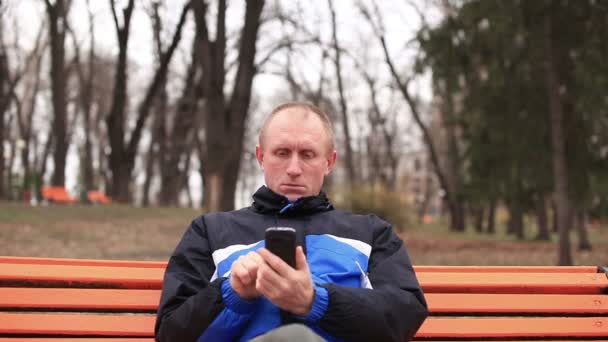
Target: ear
<point x="259" y="155"/>
<point x="331" y="161"/>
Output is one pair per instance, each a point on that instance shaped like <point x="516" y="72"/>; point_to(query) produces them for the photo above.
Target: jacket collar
<point x="266" y="201"/>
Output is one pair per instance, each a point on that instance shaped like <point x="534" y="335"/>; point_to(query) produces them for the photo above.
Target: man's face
<point x="295" y="155"/>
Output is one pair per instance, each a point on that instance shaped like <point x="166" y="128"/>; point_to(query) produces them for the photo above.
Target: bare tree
<point x="5" y="89"/>
<point x="57" y="14"/>
<point x="456" y="212"/>
<point x="157" y="148"/>
<point x="123" y="153"/>
<point x="26" y="107"/>
<point x="348" y="152"/>
<point x="121" y="172"/>
<point x="86" y="79"/>
<point x="225" y="115"/>
<point x="382" y="155"/>
<point x="180" y="142"/>
<point x="8" y="83"/>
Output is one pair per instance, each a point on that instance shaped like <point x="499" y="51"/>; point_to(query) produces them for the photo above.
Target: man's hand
<point x="290" y="289"/>
<point x="243" y="274"/>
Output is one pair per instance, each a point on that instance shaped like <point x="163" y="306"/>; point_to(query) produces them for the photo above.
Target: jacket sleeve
<point x="191" y="307"/>
<point x="392" y="311"/>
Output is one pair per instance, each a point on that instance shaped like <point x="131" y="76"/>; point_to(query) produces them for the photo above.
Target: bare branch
<point x="403" y="88"/>
<point x="114" y="16"/>
<point x="159" y="78"/>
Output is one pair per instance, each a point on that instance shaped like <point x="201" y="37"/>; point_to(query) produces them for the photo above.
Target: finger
<point x="301" y="263"/>
<point x="266" y="282"/>
<point x="242" y="274"/>
<point x="251" y="266"/>
<point x="275" y="262"/>
<point x="255" y="257"/>
<point x="268" y="274"/>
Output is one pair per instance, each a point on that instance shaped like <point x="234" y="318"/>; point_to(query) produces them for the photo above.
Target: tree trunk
<point x="452" y="168"/>
<point x="87" y="101"/>
<point x="541" y="219"/>
<point x="348" y="152"/>
<point x="151" y="160"/>
<point x="427" y="194"/>
<point x="25" y="119"/>
<point x="581" y="228"/>
<point x="560" y="171"/>
<point x="457" y="216"/>
<point x="119" y="188"/>
<point x="225" y="120"/>
<point x="553" y="216"/>
<point x="491" y="223"/>
<point x="122" y="157"/>
<point x="46" y="151"/>
<point x="516" y="220"/>
<point x="57" y="15"/>
<point x="4" y="103"/>
<point x="478" y="216"/>
<point x="185" y="126"/>
<point x="156" y="149"/>
<point x="11" y="161"/>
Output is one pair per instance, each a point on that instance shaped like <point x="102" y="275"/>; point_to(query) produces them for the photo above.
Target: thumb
<point x="301" y="263"/>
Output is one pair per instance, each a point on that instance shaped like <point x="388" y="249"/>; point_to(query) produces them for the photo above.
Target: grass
<point x="433" y="244"/>
<point x="80" y="231"/>
<point x="125" y="232"/>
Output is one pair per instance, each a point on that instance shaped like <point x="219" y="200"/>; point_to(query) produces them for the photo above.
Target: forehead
<point x="295" y="125"/>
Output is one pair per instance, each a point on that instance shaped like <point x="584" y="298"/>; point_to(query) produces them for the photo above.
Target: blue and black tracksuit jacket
<point x="365" y="286"/>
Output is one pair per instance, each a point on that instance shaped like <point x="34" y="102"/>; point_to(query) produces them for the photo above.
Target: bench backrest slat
<point x="469" y="303"/>
<point x="80" y="276"/>
<point x="77" y="324"/>
<point x="74" y="339"/>
<point x="508" y="269"/>
<point x="440" y="303"/>
<point x="82" y="262"/>
<point x="576" y="283"/>
<point x="79" y="299"/>
<point x="513" y="327"/>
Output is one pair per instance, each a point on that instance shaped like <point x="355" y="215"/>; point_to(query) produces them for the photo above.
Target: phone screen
<point x="281" y="241"/>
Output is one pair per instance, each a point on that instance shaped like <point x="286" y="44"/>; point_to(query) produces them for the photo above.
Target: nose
<point x="293" y="168"/>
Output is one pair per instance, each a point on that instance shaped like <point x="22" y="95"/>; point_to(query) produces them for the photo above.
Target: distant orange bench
<point x="44" y="300"/>
<point x="57" y="194"/>
<point x="95" y="196"/>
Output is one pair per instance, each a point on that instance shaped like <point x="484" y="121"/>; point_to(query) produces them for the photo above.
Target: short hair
<point x="307" y="107"/>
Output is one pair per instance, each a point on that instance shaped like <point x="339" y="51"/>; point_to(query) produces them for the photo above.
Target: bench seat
<point x="102" y="300"/>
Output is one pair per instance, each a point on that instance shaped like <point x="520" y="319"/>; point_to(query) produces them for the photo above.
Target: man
<point x="353" y="280"/>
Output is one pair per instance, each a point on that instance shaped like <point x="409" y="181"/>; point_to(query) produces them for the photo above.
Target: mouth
<point x="293" y="186"/>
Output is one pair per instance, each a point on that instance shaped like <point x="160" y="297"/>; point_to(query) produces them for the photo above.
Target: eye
<point x="308" y="154"/>
<point x="282" y="152"/>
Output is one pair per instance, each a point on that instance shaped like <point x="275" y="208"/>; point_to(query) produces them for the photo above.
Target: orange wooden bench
<point x="98" y="197"/>
<point x="57" y="194"/>
<point x="103" y="300"/>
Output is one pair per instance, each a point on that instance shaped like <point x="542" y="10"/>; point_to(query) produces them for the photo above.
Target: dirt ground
<point x="151" y="234"/>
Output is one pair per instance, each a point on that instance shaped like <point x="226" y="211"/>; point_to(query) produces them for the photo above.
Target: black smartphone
<point x="281" y="241"/>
